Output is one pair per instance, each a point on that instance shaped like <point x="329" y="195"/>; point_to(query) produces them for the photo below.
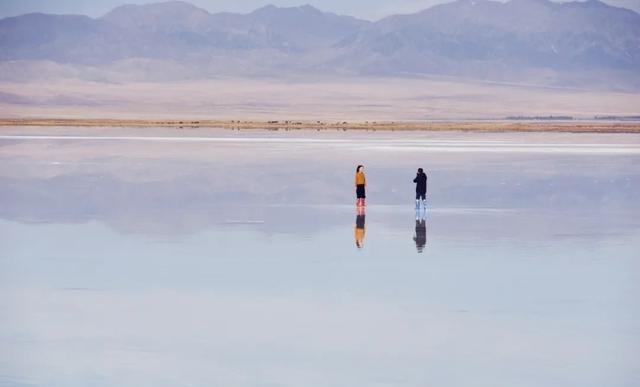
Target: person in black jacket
<point x="421" y="189"/>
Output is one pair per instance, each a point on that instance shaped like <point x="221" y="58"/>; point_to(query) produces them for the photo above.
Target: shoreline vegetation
<point x="597" y="125"/>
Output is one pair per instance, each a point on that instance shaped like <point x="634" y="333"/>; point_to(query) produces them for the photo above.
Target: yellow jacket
<point x="360" y="179"/>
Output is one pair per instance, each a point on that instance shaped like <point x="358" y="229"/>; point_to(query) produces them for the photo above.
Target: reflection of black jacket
<point x="421" y="235"/>
<point x="421" y="183"/>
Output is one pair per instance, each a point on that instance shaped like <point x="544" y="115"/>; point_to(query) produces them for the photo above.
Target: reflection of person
<point x="359" y="230"/>
<point x="421" y="189"/>
<point x="361" y="183"/>
<point x="421" y="234"/>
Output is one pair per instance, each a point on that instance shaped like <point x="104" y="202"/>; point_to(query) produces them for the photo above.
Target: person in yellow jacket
<point x="361" y="183"/>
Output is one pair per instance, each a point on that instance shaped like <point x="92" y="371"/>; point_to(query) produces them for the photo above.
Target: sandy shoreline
<point x="493" y="126"/>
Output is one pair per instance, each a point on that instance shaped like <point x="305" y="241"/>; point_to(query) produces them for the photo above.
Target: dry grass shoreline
<point x="490" y="126"/>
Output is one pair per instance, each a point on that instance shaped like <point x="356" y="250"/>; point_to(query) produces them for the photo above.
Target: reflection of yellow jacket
<point x="359" y="236"/>
<point x="360" y="179"/>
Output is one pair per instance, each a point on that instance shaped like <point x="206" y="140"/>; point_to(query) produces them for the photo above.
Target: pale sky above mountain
<point x="366" y="9"/>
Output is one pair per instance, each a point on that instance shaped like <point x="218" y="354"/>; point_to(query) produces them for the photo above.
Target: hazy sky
<point x="367" y="9"/>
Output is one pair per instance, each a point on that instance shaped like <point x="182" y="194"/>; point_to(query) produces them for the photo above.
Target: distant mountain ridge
<point x="521" y="40"/>
<point x="520" y="33"/>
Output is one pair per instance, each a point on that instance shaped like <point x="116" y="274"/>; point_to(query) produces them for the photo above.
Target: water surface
<point x="164" y="257"/>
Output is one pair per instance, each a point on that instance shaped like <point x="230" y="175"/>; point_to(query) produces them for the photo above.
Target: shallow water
<point x="160" y="257"/>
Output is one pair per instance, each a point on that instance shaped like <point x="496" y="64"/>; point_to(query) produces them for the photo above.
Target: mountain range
<point x="533" y="41"/>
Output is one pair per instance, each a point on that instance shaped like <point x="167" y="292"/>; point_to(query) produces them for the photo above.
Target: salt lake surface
<point x="166" y="257"/>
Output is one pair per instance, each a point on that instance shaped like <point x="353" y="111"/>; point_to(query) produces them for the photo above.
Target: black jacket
<point x="421" y="183"/>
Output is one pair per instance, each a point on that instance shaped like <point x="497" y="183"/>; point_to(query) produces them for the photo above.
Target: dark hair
<point x="419" y="170"/>
<point x="358" y="168"/>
